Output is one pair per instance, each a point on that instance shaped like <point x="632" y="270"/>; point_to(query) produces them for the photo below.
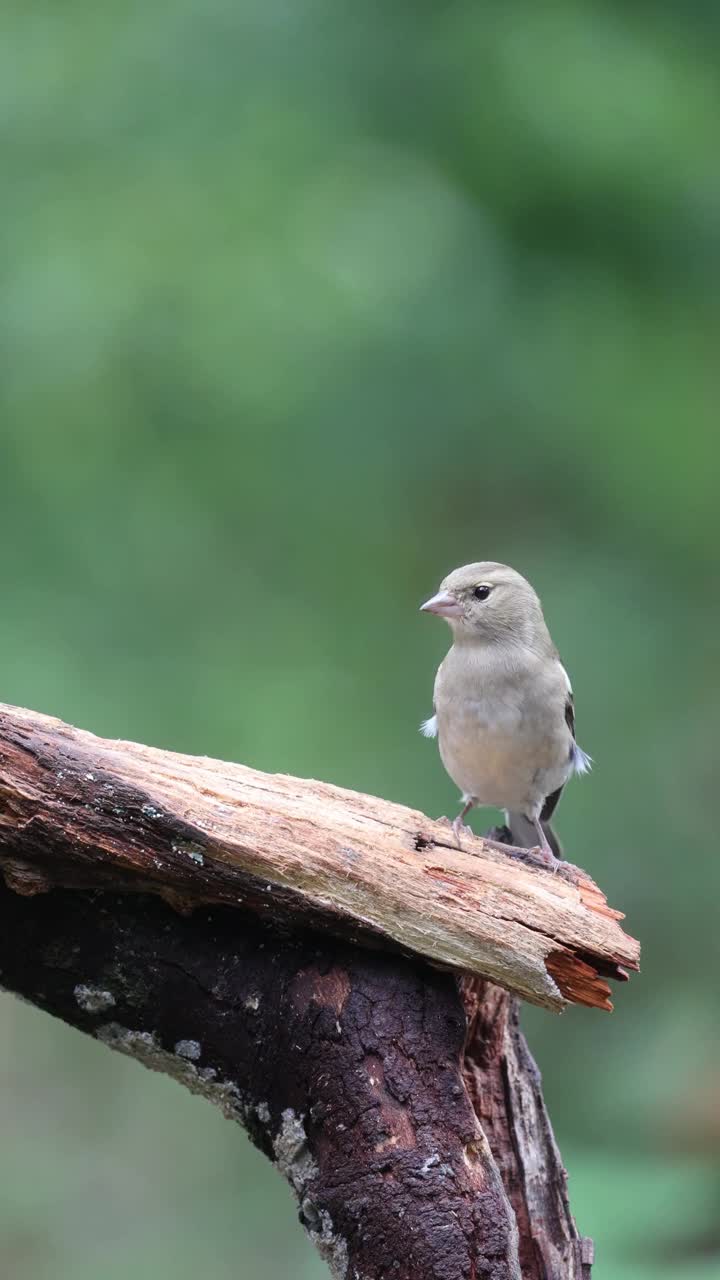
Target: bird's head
<point x="488" y="602"/>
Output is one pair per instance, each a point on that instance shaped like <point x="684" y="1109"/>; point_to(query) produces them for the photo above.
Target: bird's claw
<point x="459" y="827"/>
<point x="538" y="855"/>
<point x="545" y="857"/>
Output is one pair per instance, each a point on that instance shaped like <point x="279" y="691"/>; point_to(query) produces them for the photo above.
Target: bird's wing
<point x="550" y="805"/>
<point x="582" y="763"/>
<point x="570" y="712"/>
<point x="429" y="727"/>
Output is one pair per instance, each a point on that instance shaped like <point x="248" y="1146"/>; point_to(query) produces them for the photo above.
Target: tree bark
<point x="416" y="1144"/>
<point x="184" y="928"/>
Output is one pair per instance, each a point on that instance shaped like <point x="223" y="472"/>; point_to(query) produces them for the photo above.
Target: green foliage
<point x="303" y="304"/>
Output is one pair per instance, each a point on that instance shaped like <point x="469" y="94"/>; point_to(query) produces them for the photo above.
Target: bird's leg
<point x="544" y="846"/>
<point x="543" y="852"/>
<point x="540" y="853"/>
<point x="458" y="825"/>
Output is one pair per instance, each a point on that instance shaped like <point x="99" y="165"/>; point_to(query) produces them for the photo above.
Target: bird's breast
<point x="499" y="751"/>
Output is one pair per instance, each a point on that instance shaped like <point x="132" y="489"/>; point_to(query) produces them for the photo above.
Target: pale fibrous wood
<point x="77" y="810"/>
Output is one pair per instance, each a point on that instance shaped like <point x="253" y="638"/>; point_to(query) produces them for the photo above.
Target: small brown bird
<point x="503" y="705"/>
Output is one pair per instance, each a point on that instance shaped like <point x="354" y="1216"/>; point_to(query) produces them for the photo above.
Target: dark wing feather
<point x="550" y="805"/>
<point x="570" y="714"/>
<point x="551" y="801"/>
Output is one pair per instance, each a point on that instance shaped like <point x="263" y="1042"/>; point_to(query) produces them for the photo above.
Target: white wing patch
<point x="428" y="728"/>
<point x="582" y="762"/>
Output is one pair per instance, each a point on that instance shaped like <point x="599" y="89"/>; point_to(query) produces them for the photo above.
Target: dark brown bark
<point x="505" y="1089"/>
<point x="347" y="1067"/>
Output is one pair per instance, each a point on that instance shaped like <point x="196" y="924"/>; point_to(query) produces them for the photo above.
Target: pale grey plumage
<point x="502" y="700"/>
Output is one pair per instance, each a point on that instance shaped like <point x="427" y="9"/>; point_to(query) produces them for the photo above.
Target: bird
<point x="503" y="709"/>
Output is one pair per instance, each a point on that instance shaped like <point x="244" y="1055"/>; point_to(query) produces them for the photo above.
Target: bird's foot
<point x="546" y="857"/>
<point x="460" y="828"/>
<point x="536" y="856"/>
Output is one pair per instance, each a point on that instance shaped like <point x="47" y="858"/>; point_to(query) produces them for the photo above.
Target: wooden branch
<point x="81" y="812"/>
<point x="505" y="1089"/>
<point x="399" y="1100"/>
<point x="414" y="1139"/>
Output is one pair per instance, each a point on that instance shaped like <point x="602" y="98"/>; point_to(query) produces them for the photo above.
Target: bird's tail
<point x="524" y="834"/>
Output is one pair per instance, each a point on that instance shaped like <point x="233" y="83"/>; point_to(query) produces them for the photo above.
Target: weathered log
<point x="399" y="1099"/>
<point x="78" y="811"/>
<point x="416" y="1143"/>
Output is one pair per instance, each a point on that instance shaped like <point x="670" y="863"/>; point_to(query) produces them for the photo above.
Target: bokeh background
<point x="304" y="303"/>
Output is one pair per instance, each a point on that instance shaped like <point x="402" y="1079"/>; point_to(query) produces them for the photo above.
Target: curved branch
<point x="347" y="1067"/>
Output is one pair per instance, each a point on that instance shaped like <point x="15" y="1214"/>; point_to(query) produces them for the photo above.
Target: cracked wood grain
<point x="505" y="1089"/>
<point x="81" y="812"/>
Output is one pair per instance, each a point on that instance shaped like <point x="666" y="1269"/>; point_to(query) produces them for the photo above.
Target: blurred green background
<point x="304" y="303"/>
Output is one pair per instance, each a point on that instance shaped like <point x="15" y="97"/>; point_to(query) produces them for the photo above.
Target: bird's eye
<point x="482" y="592"/>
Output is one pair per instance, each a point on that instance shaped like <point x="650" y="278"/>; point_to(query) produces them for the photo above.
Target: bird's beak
<point x="443" y="604"/>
